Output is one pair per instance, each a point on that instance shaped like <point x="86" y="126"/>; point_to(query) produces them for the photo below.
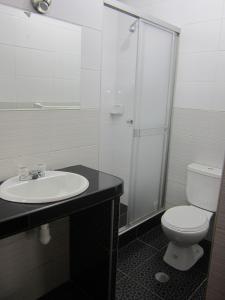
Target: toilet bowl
<point x="185" y="226"/>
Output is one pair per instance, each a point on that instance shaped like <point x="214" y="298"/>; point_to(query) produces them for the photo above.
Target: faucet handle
<point x="23" y="172"/>
<point x="34" y="174"/>
<point x="40" y="169"/>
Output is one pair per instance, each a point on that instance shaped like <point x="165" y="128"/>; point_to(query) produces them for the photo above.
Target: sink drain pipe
<point x="44" y="234"/>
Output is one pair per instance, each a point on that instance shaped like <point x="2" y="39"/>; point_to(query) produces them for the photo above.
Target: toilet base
<point x="182" y="258"/>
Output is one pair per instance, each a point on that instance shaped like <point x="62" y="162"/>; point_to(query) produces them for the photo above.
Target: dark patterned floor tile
<point x="132" y="255"/>
<point x="119" y="276"/>
<point x="203" y="263"/>
<point x="200" y="293"/>
<point x="127" y="289"/>
<point x="180" y="286"/>
<point x="155" y="238"/>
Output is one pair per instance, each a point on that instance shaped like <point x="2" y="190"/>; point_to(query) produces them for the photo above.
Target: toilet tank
<point x="203" y="185"/>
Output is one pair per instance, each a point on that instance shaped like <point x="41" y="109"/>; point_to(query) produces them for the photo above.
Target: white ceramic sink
<point x="54" y="186"/>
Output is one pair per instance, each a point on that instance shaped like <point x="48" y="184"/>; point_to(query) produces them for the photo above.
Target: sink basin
<point x="54" y="186"/>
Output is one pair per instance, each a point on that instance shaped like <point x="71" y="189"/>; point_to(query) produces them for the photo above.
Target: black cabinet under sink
<point x="93" y="225"/>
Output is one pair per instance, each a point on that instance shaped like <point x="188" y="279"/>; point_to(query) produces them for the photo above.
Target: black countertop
<point x="18" y="217"/>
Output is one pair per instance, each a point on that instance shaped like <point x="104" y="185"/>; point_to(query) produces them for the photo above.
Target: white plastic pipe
<point x="44" y="234"/>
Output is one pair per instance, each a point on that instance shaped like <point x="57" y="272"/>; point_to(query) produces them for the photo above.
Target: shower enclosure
<point x="138" y="69"/>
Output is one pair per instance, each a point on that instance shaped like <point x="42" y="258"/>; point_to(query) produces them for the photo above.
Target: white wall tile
<point x="7" y="60"/>
<point x="197" y="136"/>
<point x="191" y="122"/>
<point x="218" y="102"/>
<point x="202" y="36"/>
<point x="217" y="125"/>
<point x="68" y="37"/>
<point x="7" y="169"/>
<point x="175" y="194"/>
<point x="23" y="35"/>
<point x="91" y="49"/>
<point x="88" y="12"/>
<point x="180" y="12"/>
<point x="31" y="89"/>
<point x="197" y="66"/>
<point x="87" y="156"/>
<point x="35" y="135"/>
<point x="7" y="89"/>
<point x="17" y="265"/>
<point x="220" y="70"/>
<point x="90" y="88"/>
<point x="223" y="10"/>
<point x="195" y="95"/>
<point x="7" y="29"/>
<point x="23" y="4"/>
<point x="204" y="10"/>
<point x="66" y="90"/>
<point x="72" y="129"/>
<point x="201" y="39"/>
<point x="34" y="63"/>
<point x="67" y="65"/>
<point x="29" y="134"/>
<point x="222" y="36"/>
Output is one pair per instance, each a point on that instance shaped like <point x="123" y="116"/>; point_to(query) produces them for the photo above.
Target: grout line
<point x="123" y="272"/>
<point x="151" y="258"/>
<point x="158" y="250"/>
<point x="197" y="288"/>
<point x="144" y="261"/>
<point x="155" y="294"/>
<point x="139" y="283"/>
<point x="215" y="19"/>
<point x="142" y="286"/>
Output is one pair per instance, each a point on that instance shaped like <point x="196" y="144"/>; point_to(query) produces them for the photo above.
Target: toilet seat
<point x="185" y="219"/>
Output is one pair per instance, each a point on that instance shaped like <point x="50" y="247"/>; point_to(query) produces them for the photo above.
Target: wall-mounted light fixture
<point x="42" y="6"/>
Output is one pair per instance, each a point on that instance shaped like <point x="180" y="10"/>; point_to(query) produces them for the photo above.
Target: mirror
<point x="40" y="61"/>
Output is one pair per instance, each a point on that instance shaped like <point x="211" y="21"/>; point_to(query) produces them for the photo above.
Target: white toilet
<point x="186" y="226"/>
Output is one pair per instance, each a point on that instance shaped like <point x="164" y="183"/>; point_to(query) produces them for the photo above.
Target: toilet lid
<point x="185" y="218"/>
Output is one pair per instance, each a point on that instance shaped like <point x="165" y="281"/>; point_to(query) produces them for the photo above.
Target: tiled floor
<point x="140" y="260"/>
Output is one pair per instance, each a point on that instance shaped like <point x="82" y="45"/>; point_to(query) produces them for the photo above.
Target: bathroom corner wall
<point x="59" y="139"/>
<point x="199" y="104"/>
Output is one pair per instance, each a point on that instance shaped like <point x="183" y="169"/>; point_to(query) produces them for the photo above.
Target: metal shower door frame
<point x="147" y="132"/>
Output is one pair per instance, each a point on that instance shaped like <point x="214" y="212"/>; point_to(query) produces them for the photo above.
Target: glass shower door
<point x="120" y="43"/>
<point x="153" y="109"/>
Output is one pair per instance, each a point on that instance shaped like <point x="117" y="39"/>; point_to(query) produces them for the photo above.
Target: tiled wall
<point x="59" y="139"/>
<point x="40" y="58"/>
<point x="28" y="136"/>
<point x="199" y="104"/>
<point x="197" y="136"/>
<point x="29" y="269"/>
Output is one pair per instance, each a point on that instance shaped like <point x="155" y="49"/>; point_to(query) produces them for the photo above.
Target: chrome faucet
<point x="35" y="174"/>
<point x="26" y="174"/>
